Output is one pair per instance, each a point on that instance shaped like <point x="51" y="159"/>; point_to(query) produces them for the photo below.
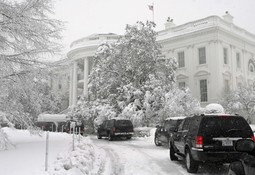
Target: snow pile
<point x="86" y="159"/>
<point x="214" y="108"/>
<point x="142" y="131"/>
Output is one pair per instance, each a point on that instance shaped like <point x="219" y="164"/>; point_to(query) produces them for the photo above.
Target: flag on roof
<point x="150" y="7"/>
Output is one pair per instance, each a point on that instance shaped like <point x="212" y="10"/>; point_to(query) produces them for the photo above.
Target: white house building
<point x="213" y="55"/>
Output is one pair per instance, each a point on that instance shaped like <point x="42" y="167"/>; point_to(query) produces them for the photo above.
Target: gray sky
<point x="86" y="17"/>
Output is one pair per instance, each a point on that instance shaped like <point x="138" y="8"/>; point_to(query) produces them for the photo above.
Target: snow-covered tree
<point x="136" y="80"/>
<point x="240" y="101"/>
<point x="160" y="104"/>
<point x="28" y="35"/>
<point x="133" y="59"/>
<point x="130" y="60"/>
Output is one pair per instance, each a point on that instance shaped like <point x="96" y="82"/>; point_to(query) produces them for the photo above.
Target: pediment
<point x="181" y="76"/>
<point x="227" y="74"/>
<point x="202" y="73"/>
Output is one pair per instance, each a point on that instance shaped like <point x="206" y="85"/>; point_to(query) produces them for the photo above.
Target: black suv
<point x="166" y="128"/>
<point x="115" y="128"/>
<point x="208" y="138"/>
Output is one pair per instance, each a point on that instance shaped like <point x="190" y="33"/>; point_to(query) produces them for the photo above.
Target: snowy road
<point x="141" y="156"/>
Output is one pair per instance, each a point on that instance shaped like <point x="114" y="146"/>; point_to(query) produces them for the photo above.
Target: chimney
<point x="169" y="23"/>
<point x="227" y="17"/>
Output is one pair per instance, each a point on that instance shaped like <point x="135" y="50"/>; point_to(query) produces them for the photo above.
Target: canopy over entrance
<point x="52" y="118"/>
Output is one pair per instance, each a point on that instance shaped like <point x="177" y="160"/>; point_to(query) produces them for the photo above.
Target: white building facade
<point x="214" y="55"/>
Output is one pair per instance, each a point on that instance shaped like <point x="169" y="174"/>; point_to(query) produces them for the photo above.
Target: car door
<point x="181" y="135"/>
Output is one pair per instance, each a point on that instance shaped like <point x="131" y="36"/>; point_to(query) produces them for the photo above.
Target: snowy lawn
<point x="27" y="155"/>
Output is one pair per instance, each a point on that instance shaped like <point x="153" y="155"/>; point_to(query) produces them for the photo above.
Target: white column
<point x="75" y="67"/>
<point x="86" y="76"/>
<point x="71" y="87"/>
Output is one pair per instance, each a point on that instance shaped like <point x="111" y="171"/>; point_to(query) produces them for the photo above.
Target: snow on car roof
<point x="252" y="127"/>
<point x="119" y="118"/>
<point x="176" y="118"/>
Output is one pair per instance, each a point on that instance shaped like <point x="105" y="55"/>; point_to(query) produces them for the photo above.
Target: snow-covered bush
<point x="132" y="113"/>
<point x="5" y="143"/>
<point x="240" y="101"/>
<point x="86" y="159"/>
<point x="92" y="113"/>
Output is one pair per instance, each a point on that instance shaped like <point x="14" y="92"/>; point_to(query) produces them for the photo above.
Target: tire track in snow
<point x="130" y="159"/>
<point x="111" y="165"/>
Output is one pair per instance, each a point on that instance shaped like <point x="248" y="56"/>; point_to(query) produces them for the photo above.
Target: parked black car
<point x="208" y="138"/>
<point x="115" y="128"/>
<point x="166" y="128"/>
<point x="246" y="164"/>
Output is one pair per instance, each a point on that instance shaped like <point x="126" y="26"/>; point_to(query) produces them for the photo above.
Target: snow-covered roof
<point x="52" y="118"/>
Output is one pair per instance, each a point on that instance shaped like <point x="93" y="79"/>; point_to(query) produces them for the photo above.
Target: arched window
<point x="251" y="66"/>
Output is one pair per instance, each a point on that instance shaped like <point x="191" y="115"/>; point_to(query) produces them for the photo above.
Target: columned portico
<point x="86" y="75"/>
<point x="71" y="87"/>
<point x="74" y="88"/>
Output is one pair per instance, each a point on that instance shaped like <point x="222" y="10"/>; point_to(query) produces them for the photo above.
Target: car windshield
<point x="224" y="126"/>
<point x="123" y="123"/>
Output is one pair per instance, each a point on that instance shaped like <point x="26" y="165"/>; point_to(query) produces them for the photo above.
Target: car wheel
<point x="99" y="136"/>
<point x="128" y="137"/>
<point x="110" y="137"/>
<point x="172" y="153"/>
<point x="156" y="141"/>
<point x="236" y="168"/>
<point x="191" y="164"/>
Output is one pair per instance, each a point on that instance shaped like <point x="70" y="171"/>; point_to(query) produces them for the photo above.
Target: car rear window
<point x="172" y="124"/>
<point x="123" y="123"/>
<point x="225" y="126"/>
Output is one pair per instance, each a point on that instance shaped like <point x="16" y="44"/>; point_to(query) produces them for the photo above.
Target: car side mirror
<point x="176" y="129"/>
<point x="244" y="145"/>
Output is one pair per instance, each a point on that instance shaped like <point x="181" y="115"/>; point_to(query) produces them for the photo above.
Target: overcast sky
<point x="86" y="17"/>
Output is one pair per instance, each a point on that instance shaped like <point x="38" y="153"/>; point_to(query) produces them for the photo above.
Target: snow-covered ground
<point x="91" y="156"/>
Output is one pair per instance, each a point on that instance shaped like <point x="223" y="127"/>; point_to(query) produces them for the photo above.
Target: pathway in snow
<point x="141" y="156"/>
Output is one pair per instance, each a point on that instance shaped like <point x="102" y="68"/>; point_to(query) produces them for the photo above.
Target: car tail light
<point x="253" y="138"/>
<point x="199" y="141"/>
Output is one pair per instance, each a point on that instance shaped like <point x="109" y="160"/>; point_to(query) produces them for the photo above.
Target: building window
<point x="226" y="85"/>
<point x="181" y="59"/>
<point x="239" y="85"/>
<point x="59" y="84"/>
<point x="202" y="55"/>
<point x="182" y="85"/>
<point x="203" y="90"/>
<point x="225" y="53"/>
<point x="251" y="68"/>
<point x="238" y="61"/>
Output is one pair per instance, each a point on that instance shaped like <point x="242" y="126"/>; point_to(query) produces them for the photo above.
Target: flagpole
<point x="153" y="12"/>
<point x="151" y="7"/>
